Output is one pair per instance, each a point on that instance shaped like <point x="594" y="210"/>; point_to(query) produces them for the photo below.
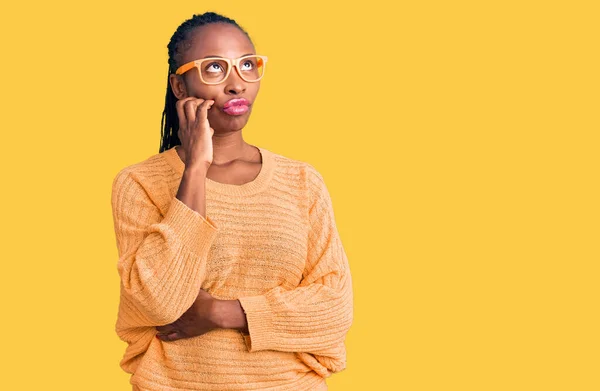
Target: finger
<point x="169" y="337"/>
<point x="180" y="112"/>
<point x="190" y="110"/>
<point x="202" y="110"/>
<point x="166" y="329"/>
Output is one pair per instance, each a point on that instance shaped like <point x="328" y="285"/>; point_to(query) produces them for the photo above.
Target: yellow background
<point x="459" y="141"/>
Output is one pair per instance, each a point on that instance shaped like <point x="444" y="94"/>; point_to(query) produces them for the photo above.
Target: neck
<point x="226" y="148"/>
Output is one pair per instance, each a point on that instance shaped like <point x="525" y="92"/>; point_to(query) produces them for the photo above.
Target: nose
<point x="234" y="84"/>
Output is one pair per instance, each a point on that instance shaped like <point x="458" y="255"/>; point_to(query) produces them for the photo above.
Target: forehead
<point x="218" y="39"/>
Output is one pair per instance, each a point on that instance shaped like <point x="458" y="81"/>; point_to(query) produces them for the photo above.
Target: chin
<point x="233" y="124"/>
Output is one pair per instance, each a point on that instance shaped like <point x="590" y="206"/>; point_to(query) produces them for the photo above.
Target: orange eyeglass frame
<point x="232" y="63"/>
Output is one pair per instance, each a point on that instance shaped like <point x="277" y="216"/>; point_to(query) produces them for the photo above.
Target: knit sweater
<point x="272" y="243"/>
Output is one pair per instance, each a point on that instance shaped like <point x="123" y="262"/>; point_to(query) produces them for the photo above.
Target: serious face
<point x="217" y="40"/>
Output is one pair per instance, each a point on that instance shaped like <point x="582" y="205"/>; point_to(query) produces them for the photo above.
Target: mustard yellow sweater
<point x="272" y="243"/>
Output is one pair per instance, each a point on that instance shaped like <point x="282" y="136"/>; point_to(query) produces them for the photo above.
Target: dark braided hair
<point x="169" y="123"/>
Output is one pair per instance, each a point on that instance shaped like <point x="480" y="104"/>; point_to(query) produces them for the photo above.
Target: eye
<point x="214" y="67"/>
<point x="247" y="65"/>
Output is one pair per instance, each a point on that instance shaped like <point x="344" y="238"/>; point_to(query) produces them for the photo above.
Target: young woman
<point x="233" y="275"/>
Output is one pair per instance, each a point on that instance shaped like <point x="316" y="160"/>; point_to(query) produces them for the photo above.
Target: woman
<point x="233" y="275"/>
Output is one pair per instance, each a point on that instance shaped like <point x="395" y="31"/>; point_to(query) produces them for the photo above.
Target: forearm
<point x="192" y="189"/>
<point x="158" y="254"/>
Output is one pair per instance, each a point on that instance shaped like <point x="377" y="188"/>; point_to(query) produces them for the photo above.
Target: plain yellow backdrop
<point x="459" y="141"/>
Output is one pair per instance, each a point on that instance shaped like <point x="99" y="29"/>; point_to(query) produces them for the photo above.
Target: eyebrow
<point x="214" y="55"/>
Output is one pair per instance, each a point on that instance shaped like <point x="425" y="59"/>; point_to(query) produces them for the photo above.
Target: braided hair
<point x="169" y="123"/>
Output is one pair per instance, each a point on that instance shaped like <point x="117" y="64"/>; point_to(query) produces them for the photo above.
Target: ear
<point x="178" y="86"/>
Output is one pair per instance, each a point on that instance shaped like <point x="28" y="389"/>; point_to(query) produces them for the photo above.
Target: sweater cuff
<point x="194" y="231"/>
<point x="260" y="323"/>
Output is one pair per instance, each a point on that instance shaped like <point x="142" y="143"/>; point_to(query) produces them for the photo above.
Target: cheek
<point x="202" y="91"/>
<point x="253" y="89"/>
<point x="208" y="96"/>
<point x="213" y="114"/>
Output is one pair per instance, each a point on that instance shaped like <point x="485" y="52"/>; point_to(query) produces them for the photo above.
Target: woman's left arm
<point x="315" y="317"/>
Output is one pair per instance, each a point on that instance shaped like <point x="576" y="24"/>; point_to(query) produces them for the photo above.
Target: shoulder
<point x="151" y="176"/>
<point x="301" y="172"/>
<point x="304" y="177"/>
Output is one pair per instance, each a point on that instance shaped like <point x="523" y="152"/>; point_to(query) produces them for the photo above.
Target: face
<point x="222" y="40"/>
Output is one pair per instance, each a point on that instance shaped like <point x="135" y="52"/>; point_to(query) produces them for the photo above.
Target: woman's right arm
<point x="162" y="259"/>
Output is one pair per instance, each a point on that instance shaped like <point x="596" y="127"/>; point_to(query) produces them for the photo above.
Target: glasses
<point x="214" y="70"/>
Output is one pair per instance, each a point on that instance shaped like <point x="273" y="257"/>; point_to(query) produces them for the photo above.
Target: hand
<point x="197" y="320"/>
<point x="194" y="131"/>
<point x="229" y="314"/>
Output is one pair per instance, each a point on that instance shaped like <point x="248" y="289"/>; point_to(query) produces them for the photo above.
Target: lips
<point x="236" y="106"/>
<point x="236" y="102"/>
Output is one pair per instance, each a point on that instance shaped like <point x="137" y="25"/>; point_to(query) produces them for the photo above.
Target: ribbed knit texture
<point x="272" y="243"/>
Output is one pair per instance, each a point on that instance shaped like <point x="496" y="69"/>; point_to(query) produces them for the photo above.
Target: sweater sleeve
<point x="314" y="318"/>
<point x="162" y="259"/>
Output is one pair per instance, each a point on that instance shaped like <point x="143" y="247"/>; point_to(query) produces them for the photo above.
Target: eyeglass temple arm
<point x="185" y="67"/>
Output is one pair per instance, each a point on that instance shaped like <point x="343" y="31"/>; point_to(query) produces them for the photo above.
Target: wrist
<point x="196" y="170"/>
<point x="195" y="163"/>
